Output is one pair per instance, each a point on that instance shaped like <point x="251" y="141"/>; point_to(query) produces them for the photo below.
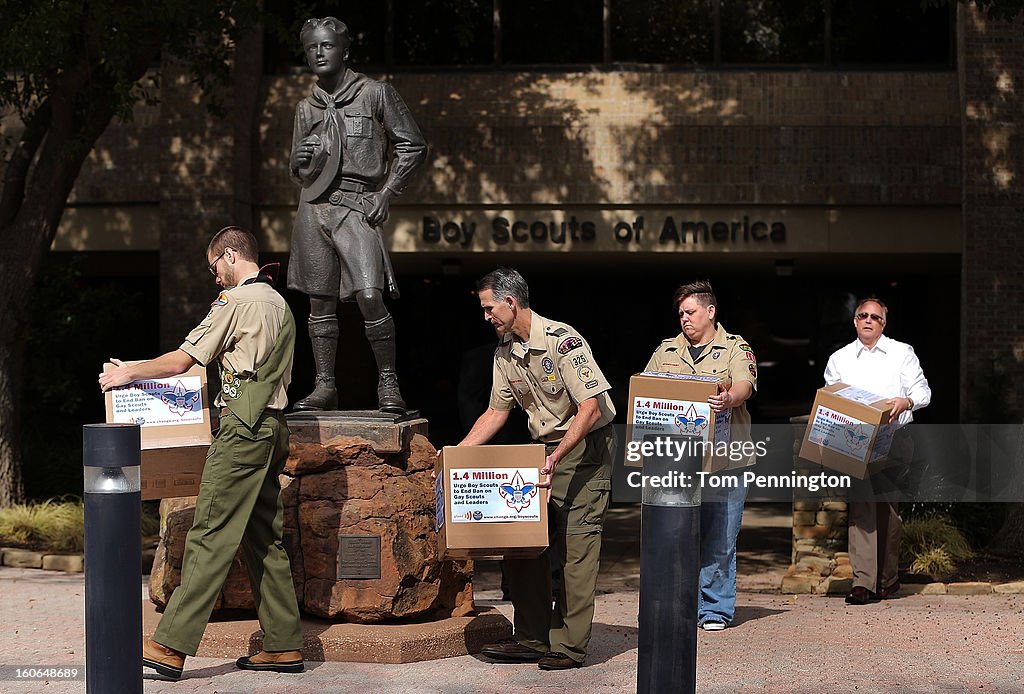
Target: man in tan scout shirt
<point x="251" y="332"/>
<point x="706" y="348"/>
<point x="546" y="368"/>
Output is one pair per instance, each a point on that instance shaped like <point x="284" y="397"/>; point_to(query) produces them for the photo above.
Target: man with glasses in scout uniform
<point x="251" y="333"/>
<point x="354" y="148"/>
<point x="547" y="368"/>
<point x="890" y="369"/>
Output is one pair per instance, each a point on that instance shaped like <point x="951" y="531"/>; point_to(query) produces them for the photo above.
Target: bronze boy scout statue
<point x="251" y="333"/>
<point x="547" y="369"/>
<point x="354" y="147"/>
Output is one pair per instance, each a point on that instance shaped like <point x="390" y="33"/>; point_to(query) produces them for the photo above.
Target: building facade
<point x="787" y="157"/>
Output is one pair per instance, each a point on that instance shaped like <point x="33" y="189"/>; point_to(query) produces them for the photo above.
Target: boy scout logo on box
<point x="690" y="422"/>
<point x="518" y="493"/>
<point x="856" y="439"/>
<point x="180" y="400"/>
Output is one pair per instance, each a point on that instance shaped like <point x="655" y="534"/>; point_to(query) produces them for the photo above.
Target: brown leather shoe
<point x="166" y="661"/>
<point x="511" y="651"/>
<point x="557" y="661"/>
<point x="272" y="661"/>
<point x="861" y="596"/>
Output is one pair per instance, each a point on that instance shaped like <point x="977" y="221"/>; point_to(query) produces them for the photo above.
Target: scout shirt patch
<point x="745" y="347"/>
<point x="221" y="300"/>
<point x="569" y="344"/>
<point x="750" y="356"/>
<point x="753" y="370"/>
<point x="586" y="376"/>
<point x="229" y="384"/>
<point x="717" y="354"/>
<point x="579" y="360"/>
<point x="548" y="365"/>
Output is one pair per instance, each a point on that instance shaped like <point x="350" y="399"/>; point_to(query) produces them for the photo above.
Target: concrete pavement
<point x="779" y="643"/>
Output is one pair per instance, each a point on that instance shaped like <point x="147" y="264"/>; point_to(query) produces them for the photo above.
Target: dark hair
<point x="885" y="309"/>
<point x="235" y="238"/>
<point x="332" y="23"/>
<point x="701" y="291"/>
<point x="506" y="282"/>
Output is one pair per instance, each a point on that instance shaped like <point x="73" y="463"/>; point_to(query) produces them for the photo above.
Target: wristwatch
<point x="911" y="408"/>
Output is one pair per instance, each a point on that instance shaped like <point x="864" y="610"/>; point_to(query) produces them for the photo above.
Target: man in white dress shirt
<point x="891" y="369"/>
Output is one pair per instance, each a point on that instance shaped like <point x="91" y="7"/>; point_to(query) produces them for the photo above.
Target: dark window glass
<point x="551" y="31"/>
<point x="444" y="32"/>
<point x="773" y="31"/>
<point x="282" y="52"/>
<point x="663" y="31"/>
<point x="895" y="32"/>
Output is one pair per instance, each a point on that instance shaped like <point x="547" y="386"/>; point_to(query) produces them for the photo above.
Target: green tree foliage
<point x="67" y="69"/>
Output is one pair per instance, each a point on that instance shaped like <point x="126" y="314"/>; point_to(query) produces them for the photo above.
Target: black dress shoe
<point x="511" y="651"/>
<point x="557" y="661"/>
<point x="861" y="596"/>
<point x="890" y="591"/>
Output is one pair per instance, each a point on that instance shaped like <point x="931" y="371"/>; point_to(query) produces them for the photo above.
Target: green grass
<point x="58" y="525"/>
<point x="53" y="525"/>
<point x="932" y="544"/>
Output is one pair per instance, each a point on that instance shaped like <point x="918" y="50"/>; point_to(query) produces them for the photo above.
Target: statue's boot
<point x="323" y="334"/>
<point x="381" y="334"/>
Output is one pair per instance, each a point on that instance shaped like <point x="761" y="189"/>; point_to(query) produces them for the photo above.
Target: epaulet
<point x="557" y="332"/>
<point x="732" y="337"/>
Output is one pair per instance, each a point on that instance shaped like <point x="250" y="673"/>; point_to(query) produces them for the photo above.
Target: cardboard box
<point x="848" y="431"/>
<point x="488" y="503"/>
<point x="662" y="404"/>
<point x="174" y="414"/>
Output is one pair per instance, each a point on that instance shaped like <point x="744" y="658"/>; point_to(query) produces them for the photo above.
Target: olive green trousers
<point x="580" y="490"/>
<point x="239" y="504"/>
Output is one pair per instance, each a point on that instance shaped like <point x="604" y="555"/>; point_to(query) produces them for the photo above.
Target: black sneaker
<point x="511" y="651"/>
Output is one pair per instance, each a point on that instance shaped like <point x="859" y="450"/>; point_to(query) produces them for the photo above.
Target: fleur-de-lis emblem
<point x="518" y="493"/>
<point x="180" y="400"/>
<point x="690" y="422"/>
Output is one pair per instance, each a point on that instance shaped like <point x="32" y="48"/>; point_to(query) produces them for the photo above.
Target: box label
<point x="682" y="377"/>
<point x="840" y="433"/>
<point x="439" y="502"/>
<point x="495" y="495"/>
<point x="166" y="402"/>
<point x="677" y="417"/>
<point x="859" y="395"/>
<point x="883" y="442"/>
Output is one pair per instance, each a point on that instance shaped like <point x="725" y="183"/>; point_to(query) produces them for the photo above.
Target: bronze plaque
<point x="358" y="556"/>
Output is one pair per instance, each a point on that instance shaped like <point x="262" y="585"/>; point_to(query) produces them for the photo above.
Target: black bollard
<point x="113" y="558"/>
<point x="669" y="566"/>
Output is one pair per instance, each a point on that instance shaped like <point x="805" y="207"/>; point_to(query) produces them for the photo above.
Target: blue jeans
<point x="719" y="526"/>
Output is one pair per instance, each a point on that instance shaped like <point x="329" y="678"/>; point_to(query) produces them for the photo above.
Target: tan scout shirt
<point x="726" y="356"/>
<point x="548" y="377"/>
<point x="240" y="330"/>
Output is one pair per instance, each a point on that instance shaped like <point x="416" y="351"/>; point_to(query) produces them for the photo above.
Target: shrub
<point x="932" y="544"/>
<point x="54" y="525"/>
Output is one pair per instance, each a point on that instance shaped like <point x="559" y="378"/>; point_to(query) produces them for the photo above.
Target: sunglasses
<point x="863" y="315"/>
<point x="213" y="266"/>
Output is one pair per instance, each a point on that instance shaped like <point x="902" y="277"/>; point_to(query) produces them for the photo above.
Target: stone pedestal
<point x="350" y="482"/>
<point x="820" y="563"/>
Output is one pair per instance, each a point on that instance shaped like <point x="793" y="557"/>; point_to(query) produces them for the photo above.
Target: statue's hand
<point x="302" y="153"/>
<point x="381" y="201"/>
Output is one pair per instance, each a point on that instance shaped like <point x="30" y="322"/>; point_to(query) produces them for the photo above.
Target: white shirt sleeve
<point x="832" y="370"/>
<point x="913" y="382"/>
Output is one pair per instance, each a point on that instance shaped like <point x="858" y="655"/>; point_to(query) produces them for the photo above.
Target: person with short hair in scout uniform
<point x="250" y="332"/>
<point x="547" y="368"/>
<point x="706" y="348"/>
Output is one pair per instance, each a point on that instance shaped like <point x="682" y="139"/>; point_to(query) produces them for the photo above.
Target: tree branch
<point x="20" y="162"/>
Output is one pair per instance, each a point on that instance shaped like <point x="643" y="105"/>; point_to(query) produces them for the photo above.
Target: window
<point x="444" y="32"/>
<point x="536" y="32"/>
<point x="773" y="31"/>
<point x="663" y="31"/>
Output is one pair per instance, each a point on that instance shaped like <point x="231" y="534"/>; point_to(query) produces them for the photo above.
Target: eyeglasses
<point x="863" y="315"/>
<point x="213" y="266"/>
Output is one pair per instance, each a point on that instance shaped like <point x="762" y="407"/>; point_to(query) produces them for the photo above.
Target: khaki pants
<point x="580" y="490"/>
<point x="875" y="528"/>
<point x="239" y="503"/>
